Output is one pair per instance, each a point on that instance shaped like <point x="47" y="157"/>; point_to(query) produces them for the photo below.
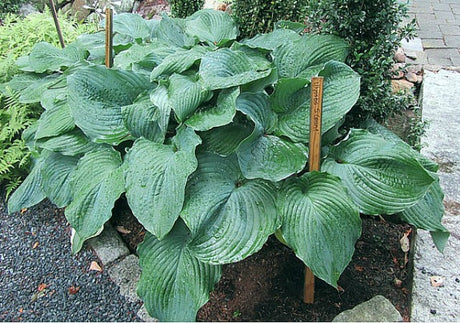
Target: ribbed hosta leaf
<point x="30" y="191"/>
<point x="178" y="62"/>
<point x="220" y="114"/>
<point x="96" y="184"/>
<point x="340" y="93"/>
<point x="174" y="284"/>
<point x="94" y="44"/>
<point x="382" y="176"/>
<point x="70" y="144"/>
<point x="155" y="179"/>
<point x="141" y="120"/>
<point x="427" y="215"/>
<point x="270" y="157"/>
<point x="56" y="173"/>
<point x="159" y="97"/>
<point x="45" y="57"/>
<point x="186" y="94"/>
<point x="212" y="26"/>
<point x="146" y="56"/>
<point x="272" y="40"/>
<point x="225" y="140"/>
<point x="230" y="217"/>
<point x="55" y="121"/>
<point x="131" y="25"/>
<point x="257" y="107"/>
<point x="172" y="31"/>
<point x="290" y="94"/>
<point x="34" y="92"/>
<point x="320" y="223"/>
<point x="226" y="68"/>
<point x="96" y="95"/>
<point x="295" y="58"/>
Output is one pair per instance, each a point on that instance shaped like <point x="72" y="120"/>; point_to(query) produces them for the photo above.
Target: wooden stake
<point x="56" y="22"/>
<point x="314" y="160"/>
<point x="108" y="38"/>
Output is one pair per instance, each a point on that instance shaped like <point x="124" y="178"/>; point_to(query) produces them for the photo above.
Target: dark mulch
<point x="268" y="285"/>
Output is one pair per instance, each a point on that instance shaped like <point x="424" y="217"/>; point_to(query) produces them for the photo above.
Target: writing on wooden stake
<point x="314" y="159"/>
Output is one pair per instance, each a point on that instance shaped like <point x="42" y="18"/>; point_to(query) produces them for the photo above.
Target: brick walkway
<point x="438" y="24"/>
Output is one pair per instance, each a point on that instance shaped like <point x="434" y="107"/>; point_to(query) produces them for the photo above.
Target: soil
<point x="268" y="285"/>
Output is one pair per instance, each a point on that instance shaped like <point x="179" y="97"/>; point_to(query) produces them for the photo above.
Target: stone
<point x="377" y="309"/>
<point x="397" y="70"/>
<point x="123" y="5"/>
<point x="108" y="245"/>
<point x="26" y="9"/>
<point x="403" y="86"/>
<point x="126" y="274"/>
<point x="411" y="77"/>
<point x="80" y="10"/>
<point x="414" y="68"/>
<point x="419" y="79"/>
<point x="399" y="56"/>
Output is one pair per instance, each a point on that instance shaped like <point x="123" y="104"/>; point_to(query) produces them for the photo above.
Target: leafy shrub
<point x="374" y="30"/>
<point x="185" y="8"/>
<point x="260" y="16"/>
<point x="207" y="137"/>
<point x="17" y="37"/>
<point x="10" y="6"/>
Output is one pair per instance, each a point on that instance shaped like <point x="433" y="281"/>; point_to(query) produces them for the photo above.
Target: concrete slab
<point x="430" y="302"/>
<point x="126" y="274"/>
<point x="108" y="245"/>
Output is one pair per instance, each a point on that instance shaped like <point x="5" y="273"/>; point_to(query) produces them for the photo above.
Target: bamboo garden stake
<point x="56" y="23"/>
<point x="108" y="37"/>
<point x="314" y="159"/>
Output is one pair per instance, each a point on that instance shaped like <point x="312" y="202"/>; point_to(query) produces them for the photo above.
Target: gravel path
<point x="35" y="255"/>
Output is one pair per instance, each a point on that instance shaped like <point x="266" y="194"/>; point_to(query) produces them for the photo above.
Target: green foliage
<point x="17" y="38"/>
<point x="374" y="30"/>
<point x="208" y="139"/>
<point x="185" y="8"/>
<point x="260" y="16"/>
<point x="10" y="6"/>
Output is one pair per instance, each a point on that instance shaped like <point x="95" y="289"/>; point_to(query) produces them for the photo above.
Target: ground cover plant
<point x="17" y="37"/>
<point x="207" y="137"/>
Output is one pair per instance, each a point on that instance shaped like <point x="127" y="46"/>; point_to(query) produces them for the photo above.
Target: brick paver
<point x="438" y="25"/>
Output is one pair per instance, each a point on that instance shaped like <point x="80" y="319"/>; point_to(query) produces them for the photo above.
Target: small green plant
<point x="185" y="8"/>
<point x="17" y="37"/>
<point x="260" y="16"/>
<point x="207" y="137"/>
<point x="374" y="30"/>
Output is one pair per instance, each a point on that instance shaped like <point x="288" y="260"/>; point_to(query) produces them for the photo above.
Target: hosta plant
<point x="207" y="138"/>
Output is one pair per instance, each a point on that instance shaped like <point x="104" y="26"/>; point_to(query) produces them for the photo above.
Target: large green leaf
<point x="159" y="97"/>
<point x="225" y="140"/>
<point x="141" y="119"/>
<point x="215" y="116"/>
<point x="320" y="223"/>
<point x="131" y="25"/>
<point x="381" y="176"/>
<point x="272" y="40"/>
<point x="45" y="57"/>
<point x="34" y="92"/>
<point x="54" y="121"/>
<point x="172" y="30"/>
<point x="427" y="215"/>
<point x="257" y="107"/>
<point x="296" y="58"/>
<point x="270" y="157"/>
<point x="186" y="94"/>
<point x="156" y="175"/>
<point x="178" y="62"/>
<point x="96" y="184"/>
<point x="226" y="68"/>
<point x="143" y="56"/>
<point x="94" y="44"/>
<point x="212" y="26"/>
<point x="96" y="95"/>
<point x="174" y="284"/>
<point x="30" y="192"/>
<point x="72" y="143"/>
<point x="340" y="93"/>
<point x="230" y="217"/>
<point x="56" y="173"/>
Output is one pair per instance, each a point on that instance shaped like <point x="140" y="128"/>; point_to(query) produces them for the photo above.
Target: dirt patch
<point x="268" y="285"/>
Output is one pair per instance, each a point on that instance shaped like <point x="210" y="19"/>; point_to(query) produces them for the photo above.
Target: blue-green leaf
<point x="212" y="26"/>
<point x="320" y="223"/>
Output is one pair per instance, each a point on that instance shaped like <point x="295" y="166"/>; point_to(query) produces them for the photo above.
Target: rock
<point x="397" y="71"/>
<point x="411" y="77"/>
<point x="419" y="79"/>
<point x="108" y="245"/>
<point x="65" y="9"/>
<point x="26" y="9"/>
<point x="415" y="68"/>
<point x="126" y="274"/>
<point x="399" y="56"/>
<point x="401" y="86"/>
<point x="377" y="309"/>
<point x="79" y="10"/>
<point x="123" y="5"/>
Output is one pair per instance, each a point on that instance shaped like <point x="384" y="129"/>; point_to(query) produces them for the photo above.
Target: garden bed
<point x="268" y="285"/>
